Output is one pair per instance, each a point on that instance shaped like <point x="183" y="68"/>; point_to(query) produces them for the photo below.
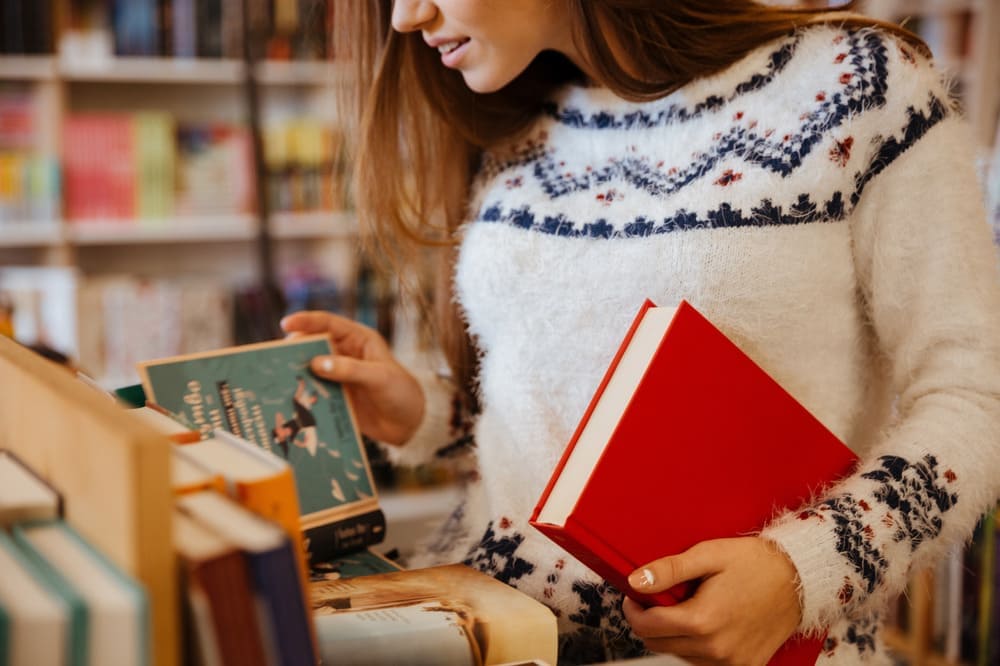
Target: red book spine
<point x="607" y="562"/>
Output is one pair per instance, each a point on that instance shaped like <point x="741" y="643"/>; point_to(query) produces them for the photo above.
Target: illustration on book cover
<point x="266" y="395"/>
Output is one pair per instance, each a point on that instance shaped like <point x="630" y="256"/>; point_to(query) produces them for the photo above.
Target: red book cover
<point x="99" y="167"/>
<point x="686" y="439"/>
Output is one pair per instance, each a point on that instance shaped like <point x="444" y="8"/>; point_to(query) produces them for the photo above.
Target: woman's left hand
<point x="746" y="606"/>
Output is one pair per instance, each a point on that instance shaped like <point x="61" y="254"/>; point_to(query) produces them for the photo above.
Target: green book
<point x="115" y="606"/>
<point x="265" y="394"/>
<point x="44" y="617"/>
<point x="359" y="563"/>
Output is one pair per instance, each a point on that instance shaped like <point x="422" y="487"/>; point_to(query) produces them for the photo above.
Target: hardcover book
<point x="221" y="619"/>
<point x="273" y="572"/>
<point x="440" y="616"/>
<point x="686" y="439"/>
<point x="39" y="624"/>
<point x="112" y="611"/>
<point x="265" y="394"/>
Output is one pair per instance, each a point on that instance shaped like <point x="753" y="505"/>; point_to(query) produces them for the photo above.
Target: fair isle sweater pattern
<point x="863" y="82"/>
<point x="788" y="146"/>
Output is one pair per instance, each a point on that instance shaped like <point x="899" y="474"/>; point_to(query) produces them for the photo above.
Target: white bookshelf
<point x="312" y="225"/>
<point x="156" y="70"/>
<point x="27" y="68"/>
<point x="30" y="234"/>
<point x="199" y="71"/>
<point x="173" y="230"/>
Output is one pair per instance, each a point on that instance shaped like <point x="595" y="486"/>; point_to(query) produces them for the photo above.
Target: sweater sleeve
<point x="446" y="429"/>
<point x="929" y="281"/>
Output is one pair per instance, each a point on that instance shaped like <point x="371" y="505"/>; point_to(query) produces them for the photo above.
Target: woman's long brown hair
<point x="418" y="131"/>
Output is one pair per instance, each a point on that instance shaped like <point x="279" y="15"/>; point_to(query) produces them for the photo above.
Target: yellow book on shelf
<point x="189" y="476"/>
<point x="259" y="481"/>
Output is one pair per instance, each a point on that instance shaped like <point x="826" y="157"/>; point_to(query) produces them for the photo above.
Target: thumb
<point x="699" y="561"/>
<point x="347" y="369"/>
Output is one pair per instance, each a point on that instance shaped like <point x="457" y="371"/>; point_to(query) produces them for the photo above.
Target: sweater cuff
<point x="438" y="429"/>
<point x="810" y="541"/>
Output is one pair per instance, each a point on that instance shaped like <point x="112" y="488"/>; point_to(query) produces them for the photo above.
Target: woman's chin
<point x="484" y="83"/>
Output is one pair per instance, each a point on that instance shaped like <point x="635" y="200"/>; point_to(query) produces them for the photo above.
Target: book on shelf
<point x="220" y="623"/>
<point x="24" y="495"/>
<point x="257" y="480"/>
<point x="109" y="609"/>
<point x="112" y="471"/>
<point x="263" y="483"/>
<point x="265" y="394"/>
<point x="36" y="621"/>
<point x="161" y="421"/>
<point x="275" y="576"/>
<point x="683" y="418"/>
<point x="450" y="615"/>
<point x="189" y="476"/>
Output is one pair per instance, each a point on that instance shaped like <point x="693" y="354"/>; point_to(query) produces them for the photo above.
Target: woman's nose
<point x="411" y="15"/>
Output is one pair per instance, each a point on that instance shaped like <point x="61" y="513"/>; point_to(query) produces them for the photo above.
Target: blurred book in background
<point x="29" y="177"/>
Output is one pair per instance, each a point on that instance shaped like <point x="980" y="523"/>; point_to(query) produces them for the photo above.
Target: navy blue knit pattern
<point x="675" y="112"/>
<point x="864" y="88"/>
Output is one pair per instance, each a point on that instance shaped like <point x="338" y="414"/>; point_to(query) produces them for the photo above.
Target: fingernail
<point x="324" y="364"/>
<point x="642" y="579"/>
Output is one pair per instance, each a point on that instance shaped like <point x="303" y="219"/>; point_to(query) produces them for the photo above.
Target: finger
<point x="694" y="651"/>
<point x="700" y="560"/>
<point x="684" y="619"/>
<point x="317" y="321"/>
<point x="348" y="370"/>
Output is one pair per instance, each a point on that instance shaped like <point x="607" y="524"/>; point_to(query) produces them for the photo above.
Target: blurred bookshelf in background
<point x="129" y="224"/>
<point x="127" y="175"/>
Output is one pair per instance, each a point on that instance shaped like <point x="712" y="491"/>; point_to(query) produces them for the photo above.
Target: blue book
<point x="117" y="610"/>
<point x="185" y="29"/>
<point x="274" y="572"/>
<point x="135" y="27"/>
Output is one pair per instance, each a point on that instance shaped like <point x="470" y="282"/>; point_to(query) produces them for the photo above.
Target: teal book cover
<point x="266" y="394"/>
<point x="359" y="563"/>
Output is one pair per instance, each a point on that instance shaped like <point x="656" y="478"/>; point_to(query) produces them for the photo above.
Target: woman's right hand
<point x="387" y="399"/>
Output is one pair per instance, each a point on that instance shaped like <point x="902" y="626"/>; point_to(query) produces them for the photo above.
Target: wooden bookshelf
<point x="113" y="473"/>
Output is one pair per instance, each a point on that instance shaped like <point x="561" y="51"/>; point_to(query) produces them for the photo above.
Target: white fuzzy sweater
<point x="818" y="202"/>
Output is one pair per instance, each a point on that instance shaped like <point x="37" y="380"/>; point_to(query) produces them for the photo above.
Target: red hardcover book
<point x="686" y="439"/>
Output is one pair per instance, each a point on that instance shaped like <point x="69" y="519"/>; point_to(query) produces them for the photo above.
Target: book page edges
<point x="631" y="364"/>
<point x="604" y="560"/>
<point x="582" y="425"/>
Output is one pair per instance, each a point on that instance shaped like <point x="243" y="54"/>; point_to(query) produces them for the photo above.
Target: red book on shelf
<point x="686" y="439"/>
<point x="99" y="167"/>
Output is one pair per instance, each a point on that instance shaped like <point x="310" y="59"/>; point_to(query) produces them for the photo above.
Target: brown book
<point x="221" y="624"/>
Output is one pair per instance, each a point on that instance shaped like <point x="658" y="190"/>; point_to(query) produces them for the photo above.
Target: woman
<point x="803" y="179"/>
